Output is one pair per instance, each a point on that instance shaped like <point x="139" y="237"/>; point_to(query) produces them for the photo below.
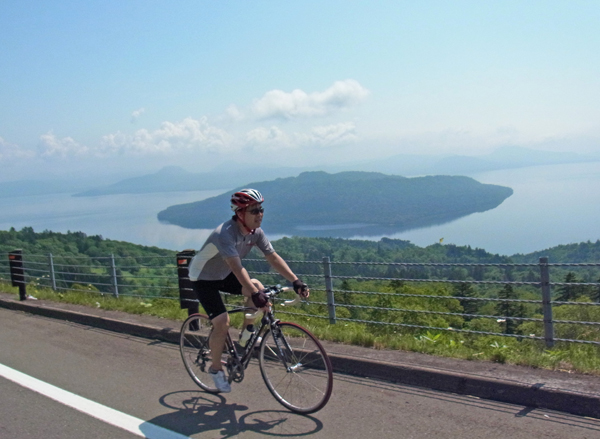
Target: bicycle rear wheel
<point x="295" y="367"/>
<point x="195" y="351"/>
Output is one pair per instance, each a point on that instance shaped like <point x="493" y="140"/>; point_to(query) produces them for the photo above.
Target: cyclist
<point x="218" y="267"/>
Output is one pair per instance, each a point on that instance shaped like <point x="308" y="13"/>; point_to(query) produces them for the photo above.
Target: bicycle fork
<point x="277" y="338"/>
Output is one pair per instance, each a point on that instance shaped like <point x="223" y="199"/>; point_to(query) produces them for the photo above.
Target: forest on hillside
<point x="382" y="255"/>
<point x="299" y="248"/>
<point x="379" y="300"/>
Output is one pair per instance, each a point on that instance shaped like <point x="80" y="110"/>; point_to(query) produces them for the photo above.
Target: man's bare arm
<point x="248" y="287"/>
<point x="282" y="268"/>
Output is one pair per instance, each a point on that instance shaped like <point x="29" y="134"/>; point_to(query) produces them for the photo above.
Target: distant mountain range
<point x="176" y="179"/>
<point x="358" y="202"/>
<point x="507" y="157"/>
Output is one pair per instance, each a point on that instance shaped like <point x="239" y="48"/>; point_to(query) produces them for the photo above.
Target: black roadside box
<point x="187" y="295"/>
<point x="17" y="273"/>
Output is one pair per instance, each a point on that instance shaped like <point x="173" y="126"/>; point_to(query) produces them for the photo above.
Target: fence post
<point x="52" y="276"/>
<point x="329" y="289"/>
<point x="17" y="272"/>
<point x="546" y="302"/>
<point x="114" y="276"/>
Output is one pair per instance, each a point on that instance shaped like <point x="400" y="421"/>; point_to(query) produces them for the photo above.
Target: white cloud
<point x="331" y="135"/>
<point x="198" y="135"/>
<point x="269" y="139"/>
<point x="299" y="104"/>
<point x="234" y="113"/>
<point x="137" y="113"/>
<point x="50" y="146"/>
<point x="10" y="150"/>
<point x="273" y="138"/>
<point x="188" y="134"/>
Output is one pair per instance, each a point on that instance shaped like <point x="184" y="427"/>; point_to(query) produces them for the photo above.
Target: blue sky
<point x="99" y="88"/>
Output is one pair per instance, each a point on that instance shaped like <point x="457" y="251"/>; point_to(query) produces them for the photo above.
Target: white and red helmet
<point x="245" y="198"/>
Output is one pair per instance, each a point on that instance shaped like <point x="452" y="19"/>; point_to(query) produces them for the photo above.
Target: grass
<point x="165" y="308"/>
<point x="567" y="357"/>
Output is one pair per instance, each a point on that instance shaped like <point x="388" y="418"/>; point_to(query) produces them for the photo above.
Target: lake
<point x="551" y="205"/>
<point x="126" y="217"/>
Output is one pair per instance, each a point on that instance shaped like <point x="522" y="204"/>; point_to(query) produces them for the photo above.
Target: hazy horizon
<point x="125" y="88"/>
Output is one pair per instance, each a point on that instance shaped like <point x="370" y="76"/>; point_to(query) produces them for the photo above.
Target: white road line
<point x="91" y="408"/>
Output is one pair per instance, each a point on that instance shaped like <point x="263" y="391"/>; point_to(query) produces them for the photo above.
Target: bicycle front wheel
<point x="295" y="367"/>
<point x="195" y="351"/>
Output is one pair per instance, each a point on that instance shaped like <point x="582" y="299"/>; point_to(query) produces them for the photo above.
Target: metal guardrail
<point x="130" y="276"/>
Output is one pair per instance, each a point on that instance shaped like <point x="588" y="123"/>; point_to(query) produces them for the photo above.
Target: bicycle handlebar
<point x="273" y="292"/>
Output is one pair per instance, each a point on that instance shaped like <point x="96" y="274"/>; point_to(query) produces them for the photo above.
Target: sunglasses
<point x="256" y="210"/>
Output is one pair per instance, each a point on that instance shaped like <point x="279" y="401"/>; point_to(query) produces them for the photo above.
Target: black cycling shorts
<point x="208" y="293"/>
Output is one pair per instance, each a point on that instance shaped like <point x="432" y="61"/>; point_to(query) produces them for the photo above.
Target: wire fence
<point x="525" y="301"/>
<point x="150" y="277"/>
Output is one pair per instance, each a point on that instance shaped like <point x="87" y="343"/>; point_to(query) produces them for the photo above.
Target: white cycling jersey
<point x="224" y="242"/>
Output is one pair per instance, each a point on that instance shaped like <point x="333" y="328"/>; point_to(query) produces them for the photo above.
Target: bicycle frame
<point x="292" y="362"/>
<point x="268" y="320"/>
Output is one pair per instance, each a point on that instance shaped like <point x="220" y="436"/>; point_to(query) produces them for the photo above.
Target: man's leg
<point x="249" y="303"/>
<point x="217" y="339"/>
<point x="211" y="301"/>
<point x="217" y="343"/>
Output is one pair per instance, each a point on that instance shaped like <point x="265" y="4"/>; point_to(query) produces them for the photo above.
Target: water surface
<point x="551" y="205"/>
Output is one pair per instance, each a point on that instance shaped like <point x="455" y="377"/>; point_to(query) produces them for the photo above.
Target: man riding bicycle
<point x="218" y="267"/>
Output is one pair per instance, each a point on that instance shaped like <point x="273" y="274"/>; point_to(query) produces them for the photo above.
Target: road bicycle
<point x="293" y="363"/>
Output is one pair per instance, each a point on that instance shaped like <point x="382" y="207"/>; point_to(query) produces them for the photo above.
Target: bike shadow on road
<point x="198" y="412"/>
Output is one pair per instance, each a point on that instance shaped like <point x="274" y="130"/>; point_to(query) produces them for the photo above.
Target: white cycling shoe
<point x="220" y="380"/>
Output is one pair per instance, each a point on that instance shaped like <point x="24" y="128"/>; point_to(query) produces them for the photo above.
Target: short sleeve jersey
<point x="224" y="242"/>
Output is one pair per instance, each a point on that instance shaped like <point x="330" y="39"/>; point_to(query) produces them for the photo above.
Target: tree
<point x="478" y="272"/>
<point x="346" y="298"/>
<point x="569" y="293"/>
<point x="469" y="306"/>
<point x="509" y="309"/>
<point x="595" y="295"/>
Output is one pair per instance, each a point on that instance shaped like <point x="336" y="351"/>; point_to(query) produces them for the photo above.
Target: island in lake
<point x="350" y="203"/>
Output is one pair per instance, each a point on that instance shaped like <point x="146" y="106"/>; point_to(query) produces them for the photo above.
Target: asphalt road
<point x="145" y="379"/>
